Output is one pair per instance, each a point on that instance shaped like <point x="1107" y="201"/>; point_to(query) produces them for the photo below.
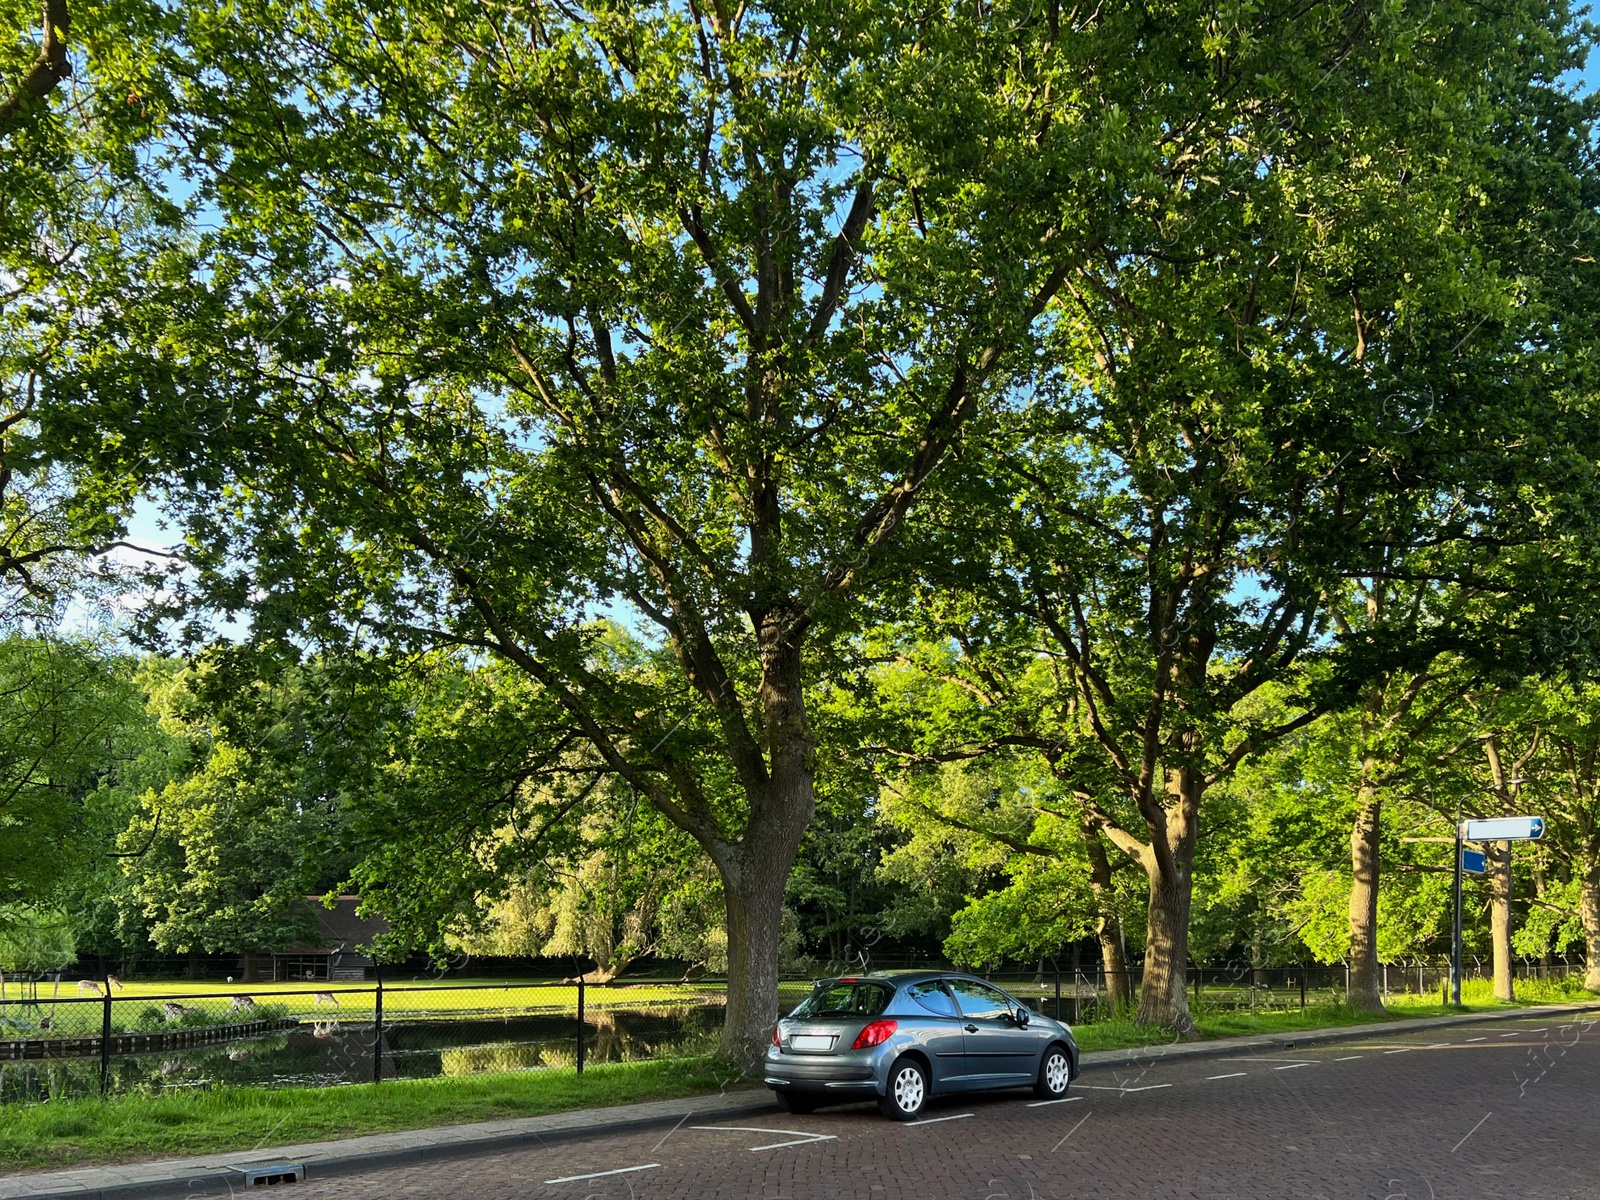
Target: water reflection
<point x="329" y="1053"/>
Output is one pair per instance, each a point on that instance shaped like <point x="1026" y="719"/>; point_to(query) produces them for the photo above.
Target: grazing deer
<point x="88" y="987"/>
<point x="242" y="1002"/>
<point x="171" y="1067"/>
<point x="113" y="982"/>
<point x="173" y="1011"/>
<point x="238" y="1055"/>
<point x="318" y="999"/>
<point x="323" y="1030"/>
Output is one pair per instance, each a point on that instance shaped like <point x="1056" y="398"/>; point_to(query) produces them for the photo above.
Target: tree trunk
<point x="1119" y="988"/>
<point x="1169" y="862"/>
<point x="1589" y="911"/>
<point x="753" y="892"/>
<point x="1365" y="990"/>
<point x="1107" y="926"/>
<point x="755" y="870"/>
<point x="1500" y="917"/>
<point x="1164" y="992"/>
<point x="249" y="965"/>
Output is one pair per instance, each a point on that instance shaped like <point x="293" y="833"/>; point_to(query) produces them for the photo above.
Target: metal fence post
<point x="580" y="1024"/>
<point x="1302" y="989"/>
<point x="377" y="1032"/>
<point x="105" y="1043"/>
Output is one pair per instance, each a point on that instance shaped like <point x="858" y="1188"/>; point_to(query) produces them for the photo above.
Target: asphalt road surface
<point x="1504" y="1109"/>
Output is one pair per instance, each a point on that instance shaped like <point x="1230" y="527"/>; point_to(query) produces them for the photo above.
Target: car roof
<point x="893" y="978"/>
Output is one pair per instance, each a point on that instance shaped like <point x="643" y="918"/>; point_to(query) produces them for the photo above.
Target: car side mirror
<point x="1021" y="1017"/>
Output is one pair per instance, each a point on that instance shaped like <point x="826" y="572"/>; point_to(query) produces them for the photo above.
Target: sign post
<point x="1455" y="926"/>
<point x="1496" y="829"/>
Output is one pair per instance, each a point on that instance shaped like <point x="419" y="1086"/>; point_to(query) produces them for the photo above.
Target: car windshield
<point x="845" y="998"/>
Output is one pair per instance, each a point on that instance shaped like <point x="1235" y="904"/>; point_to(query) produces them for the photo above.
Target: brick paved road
<point x="1497" y="1110"/>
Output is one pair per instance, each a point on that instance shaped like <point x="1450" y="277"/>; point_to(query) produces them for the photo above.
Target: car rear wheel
<point x="1055" y="1073"/>
<point x="791" y="1103"/>
<point x="907" y="1094"/>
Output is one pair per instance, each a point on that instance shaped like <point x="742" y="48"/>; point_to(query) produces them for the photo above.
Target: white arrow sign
<point x="1503" y="829"/>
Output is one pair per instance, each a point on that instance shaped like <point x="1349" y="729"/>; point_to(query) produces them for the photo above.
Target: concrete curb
<point x="218" y="1174"/>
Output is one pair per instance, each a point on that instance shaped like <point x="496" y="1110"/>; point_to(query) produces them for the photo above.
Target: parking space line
<point x="1349" y="1058"/>
<point x="1235" y="1075"/>
<point x="1260" y="1058"/>
<point x="1149" y="1087"/>
<point x="1292" y="1066"/>
<point x="603" y="1174"/>
<point x="1402" y="1050"/>
<point x="1477" y="1039"/>
<point x="1513" y="1033"/>
<point x="936" y="1120"/>
<point x="1438" y="1045"/>
<point x="1063" y="1100"/>
<point x="800" y="1136"/>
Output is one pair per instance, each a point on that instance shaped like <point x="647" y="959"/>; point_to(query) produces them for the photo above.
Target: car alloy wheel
<point x="907" y="1092"/>
<point x="1055" y="1073"/>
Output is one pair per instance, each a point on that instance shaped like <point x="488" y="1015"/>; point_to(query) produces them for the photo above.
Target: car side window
<point x="978" y="1000"/>
<point x="933" y="998"/>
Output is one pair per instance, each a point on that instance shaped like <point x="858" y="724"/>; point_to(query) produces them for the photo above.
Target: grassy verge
<point x="1123" y="1033"/>
<point x="131" y="1128"/>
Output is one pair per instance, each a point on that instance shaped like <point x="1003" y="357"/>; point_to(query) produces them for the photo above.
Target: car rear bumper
<point x="829" y="1076"/>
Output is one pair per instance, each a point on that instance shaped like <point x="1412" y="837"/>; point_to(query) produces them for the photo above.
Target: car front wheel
<point x="1055" y="1073"/>
<point x="907" y="1094"/>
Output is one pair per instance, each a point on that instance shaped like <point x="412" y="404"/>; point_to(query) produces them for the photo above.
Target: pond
<point x="330" y="1053"/>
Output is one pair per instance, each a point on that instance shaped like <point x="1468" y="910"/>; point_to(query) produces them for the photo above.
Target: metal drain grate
<point x="271" y="1174"/>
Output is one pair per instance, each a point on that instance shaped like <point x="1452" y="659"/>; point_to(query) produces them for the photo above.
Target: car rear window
<point x="845" y="998"/>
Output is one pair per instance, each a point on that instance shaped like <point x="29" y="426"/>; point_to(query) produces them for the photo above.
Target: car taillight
<point x="777" y="1039"/>
<point x="874" y="1034"/>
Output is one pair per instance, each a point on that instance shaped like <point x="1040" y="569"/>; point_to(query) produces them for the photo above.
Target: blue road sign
<point x="1474" y="862"/>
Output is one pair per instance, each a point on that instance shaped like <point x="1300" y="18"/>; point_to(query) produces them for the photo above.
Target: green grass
<point x="434" y="1000"/>
<point x="1121" y="1033"/>
<point x="130" y="1128"/>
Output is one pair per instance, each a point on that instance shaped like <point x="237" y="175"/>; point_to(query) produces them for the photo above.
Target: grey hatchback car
<point x="903" y="1036"/>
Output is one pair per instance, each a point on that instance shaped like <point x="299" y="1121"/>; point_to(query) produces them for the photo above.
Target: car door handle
<point x="970" y="1028"/>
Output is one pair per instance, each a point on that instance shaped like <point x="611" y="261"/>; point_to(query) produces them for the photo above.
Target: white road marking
<point x="1546" y="1029"/>
<point x="1513" y="1033"/>
<point x="1149" y="1087"/>
<point x="1292" y="1066"/>
<point x="1438" y="1045"/>
<point x="603" y="1174"/>
<point x="1470" y="1132"/>
<point x="1063" y="1100"/>
<point x="1235" y="1075"/>
<point x="1102" y="1088"/>
<point x="1255" y="1058"/>
<point x="1349" y="1058"/>
<point x="936" y="1120"/>
<point x="1477" y="1039"/>
<point x="1402" y="1050"/>
<point x="1071" y="1131"/>
<point x="800" y="1136"/>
